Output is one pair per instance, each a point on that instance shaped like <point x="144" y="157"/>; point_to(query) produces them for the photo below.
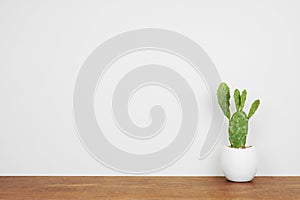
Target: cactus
<point x="238" y="122"/>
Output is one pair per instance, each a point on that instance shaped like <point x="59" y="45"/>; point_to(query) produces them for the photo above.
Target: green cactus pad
<point x="253" y="108"/>
<point x="223" y="95"/>
<point x="243" y="99"/>
<point x="237" y="99"/>
<point x="238" y="129"/>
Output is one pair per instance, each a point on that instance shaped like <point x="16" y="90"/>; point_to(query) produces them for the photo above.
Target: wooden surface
<point x="140" y="187"/>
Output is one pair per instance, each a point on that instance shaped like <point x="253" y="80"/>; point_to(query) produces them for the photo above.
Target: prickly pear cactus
<point x="238" y="122"/>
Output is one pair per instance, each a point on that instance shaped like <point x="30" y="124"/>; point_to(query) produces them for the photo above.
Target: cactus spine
<point x="238" y="122"/>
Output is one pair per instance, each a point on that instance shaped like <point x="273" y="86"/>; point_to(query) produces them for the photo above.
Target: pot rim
<point x="239" y="149"/>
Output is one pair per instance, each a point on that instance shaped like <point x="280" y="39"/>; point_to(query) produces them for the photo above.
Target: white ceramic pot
<point x="239" y="165"/>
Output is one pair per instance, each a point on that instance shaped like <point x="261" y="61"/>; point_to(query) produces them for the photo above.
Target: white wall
<point x="254" y="45"/>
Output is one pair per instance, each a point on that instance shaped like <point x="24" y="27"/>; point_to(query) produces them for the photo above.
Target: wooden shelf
<point x="141" y="187"/>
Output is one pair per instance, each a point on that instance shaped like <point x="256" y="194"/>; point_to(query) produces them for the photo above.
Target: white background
<point x="254" y="45"/>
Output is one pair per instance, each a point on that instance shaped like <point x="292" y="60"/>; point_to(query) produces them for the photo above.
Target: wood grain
<point x="141" y="187"/>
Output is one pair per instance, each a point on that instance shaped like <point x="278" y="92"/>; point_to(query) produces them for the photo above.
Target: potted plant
<point x="239" y="162"/>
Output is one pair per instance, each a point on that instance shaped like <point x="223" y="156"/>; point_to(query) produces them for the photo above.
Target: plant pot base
<point x="239" y="180"/>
